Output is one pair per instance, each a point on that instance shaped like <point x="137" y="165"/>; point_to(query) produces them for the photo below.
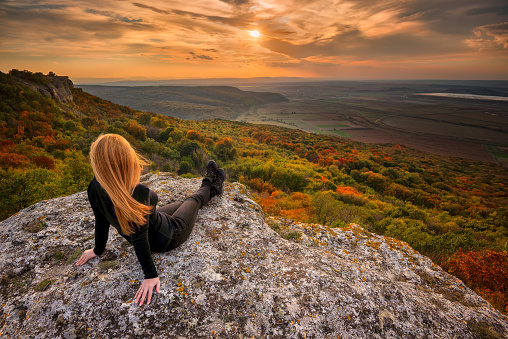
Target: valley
<point x="458" y="125"/>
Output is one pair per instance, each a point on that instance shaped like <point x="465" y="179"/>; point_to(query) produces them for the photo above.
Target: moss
<point x="74" y="255"/>
<point x="483" y="330"/>
<point x="291" y="235"/>
<point x="108" y="264"/>
<point x="43" y="285"/>
<point x="273" y="225"/>
<point x="427" y="279"/>
<point x="59" y="255"/>
<point x="35" y="226"/>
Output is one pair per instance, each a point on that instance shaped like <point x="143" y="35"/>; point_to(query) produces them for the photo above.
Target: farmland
<point x="381" y="112"/>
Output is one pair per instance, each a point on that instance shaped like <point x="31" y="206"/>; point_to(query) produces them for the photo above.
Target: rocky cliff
<point x="56" y="87"/>
<point x="234" y="278"/>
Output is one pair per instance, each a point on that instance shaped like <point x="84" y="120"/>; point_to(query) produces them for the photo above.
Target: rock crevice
<point x="234" y="277"/>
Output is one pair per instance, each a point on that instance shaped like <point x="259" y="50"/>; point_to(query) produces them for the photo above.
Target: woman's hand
<point x="146" y="289"/>
<point x="87" y="255"/>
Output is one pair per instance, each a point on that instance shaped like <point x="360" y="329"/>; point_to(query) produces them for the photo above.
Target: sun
<point x="254" y="34"/>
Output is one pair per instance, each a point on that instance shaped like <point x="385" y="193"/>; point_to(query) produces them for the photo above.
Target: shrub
<point x="486" y="272"/>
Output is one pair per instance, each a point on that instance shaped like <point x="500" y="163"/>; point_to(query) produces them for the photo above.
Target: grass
<point x="324" y="126"/>
<point x="273" y="225"/>
<point x="283" y="232"/>
<point x="43" y="285"/>
<point x="483" y="330"/>
<point x="496" y="152"/>
<point x="500" y="155"/>
<point x="74" y="255"/>
<point x="34" y="227"/>
<point x="291" y="235"/>
<point x="58" y="255"/>
<point x="341" y="133"/>
<point x="106" y="265"/>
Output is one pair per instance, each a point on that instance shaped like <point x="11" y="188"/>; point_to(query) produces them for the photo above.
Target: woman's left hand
<point x="87" y="255"/>
<point x="146" y="290"/>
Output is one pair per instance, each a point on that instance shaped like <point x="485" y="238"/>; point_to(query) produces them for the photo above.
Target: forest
<point x="452" y="210"/>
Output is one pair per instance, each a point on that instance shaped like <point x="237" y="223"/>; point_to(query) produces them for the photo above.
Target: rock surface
<point x="234" y="278"/>
<point x="58" y="87"/>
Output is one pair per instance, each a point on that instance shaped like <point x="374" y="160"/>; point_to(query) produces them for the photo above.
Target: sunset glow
<point x="341" y="39"/>
<point x="254" y="34"/>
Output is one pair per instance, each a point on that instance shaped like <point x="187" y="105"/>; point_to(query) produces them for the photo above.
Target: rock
<point x="234" y="278"/>
<point x="58" y="87"/>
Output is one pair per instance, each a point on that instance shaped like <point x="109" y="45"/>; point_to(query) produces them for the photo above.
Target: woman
<point x="117" y="198"/>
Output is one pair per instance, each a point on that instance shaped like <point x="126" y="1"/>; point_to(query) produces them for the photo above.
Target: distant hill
<point x="186" y="102"/>
<point x="192" y="82"/>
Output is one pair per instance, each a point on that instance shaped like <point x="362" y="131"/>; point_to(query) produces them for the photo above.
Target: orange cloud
<point x="206" y="38"/>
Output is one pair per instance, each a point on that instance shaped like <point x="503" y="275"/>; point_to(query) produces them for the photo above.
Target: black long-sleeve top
<point x="105" y="216"/>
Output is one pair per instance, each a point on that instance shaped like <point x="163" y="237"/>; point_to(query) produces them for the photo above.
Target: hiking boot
<point x="211" y="171"/>
<point x="218" y="183"/>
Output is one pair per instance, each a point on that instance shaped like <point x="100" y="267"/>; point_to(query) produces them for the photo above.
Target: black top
<point x="104" y="212"/>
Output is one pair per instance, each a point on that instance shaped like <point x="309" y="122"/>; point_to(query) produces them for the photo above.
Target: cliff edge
<point x="59" y="88"/>
<point x="234" y="278"/>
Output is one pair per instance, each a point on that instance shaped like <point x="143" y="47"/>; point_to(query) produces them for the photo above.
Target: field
<point x="381" y="112"/>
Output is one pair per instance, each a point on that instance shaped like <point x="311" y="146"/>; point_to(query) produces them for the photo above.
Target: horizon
<point x="258" y="80"/>
<point x="342" y="40"/>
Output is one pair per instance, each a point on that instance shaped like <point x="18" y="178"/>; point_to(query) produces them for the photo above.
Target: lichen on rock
<point x="234" y="278"/>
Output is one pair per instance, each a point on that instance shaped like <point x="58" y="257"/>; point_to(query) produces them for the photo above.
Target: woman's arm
<point x="101" y="231"/>
<point x="101" y="238"/>
<point x="101" y="221"/>
<point x="144" y="255"/>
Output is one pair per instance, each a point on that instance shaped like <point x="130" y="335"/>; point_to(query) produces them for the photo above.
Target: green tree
<point x="145" y="119"/>
<point x="326" y="208"/>
<point x="224" y="149"/>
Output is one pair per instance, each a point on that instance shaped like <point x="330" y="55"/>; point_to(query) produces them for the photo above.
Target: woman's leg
<point x="169" y="209"/>
<point x="183" y="218"/>
<point x="158" y="238"/>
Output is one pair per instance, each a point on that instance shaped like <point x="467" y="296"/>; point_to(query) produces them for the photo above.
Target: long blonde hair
<point x="117" y="168"/>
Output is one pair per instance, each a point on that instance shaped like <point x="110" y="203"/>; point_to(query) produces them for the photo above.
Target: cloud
<point x="240" y="20"/>
<point x="113" y="16"/>
<point x="52" y="31"/>
<point x="493" y="36"/>
<point x="203" y="57"/>
<point x="354" y="45"/>
<point x="456" y="17"/>
<point x="236" y="2"/>
<point x="295" y="33"/>
<point x="152" y="8"/>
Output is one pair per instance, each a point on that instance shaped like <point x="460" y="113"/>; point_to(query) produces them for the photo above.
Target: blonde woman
<point x="118" y="199"/>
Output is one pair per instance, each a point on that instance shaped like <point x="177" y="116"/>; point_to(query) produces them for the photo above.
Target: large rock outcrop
<point x="59" y="88"/>
<point x="234" y="278"/>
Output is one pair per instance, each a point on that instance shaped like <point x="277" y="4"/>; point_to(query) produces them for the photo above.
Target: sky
<point x="181" y="39"/>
